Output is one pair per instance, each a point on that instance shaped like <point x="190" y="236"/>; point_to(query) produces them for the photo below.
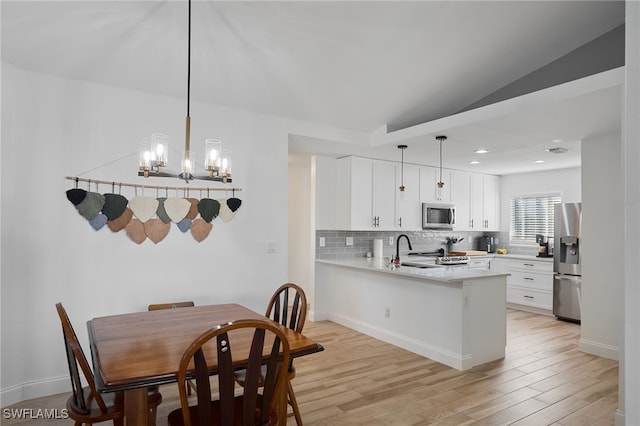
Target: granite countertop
<point x="448" y="274"/>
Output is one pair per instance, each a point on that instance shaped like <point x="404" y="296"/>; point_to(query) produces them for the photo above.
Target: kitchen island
<point x="454" y="315"/>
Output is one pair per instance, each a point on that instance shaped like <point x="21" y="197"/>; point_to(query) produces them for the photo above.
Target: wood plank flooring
<point x="543" y="380"/>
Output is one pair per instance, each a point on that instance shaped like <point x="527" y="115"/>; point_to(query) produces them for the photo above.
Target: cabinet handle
<point x="528" y="264"/>
<point x="528" y="297"/>
<point x="400" y="222"/>
<point x="529" y="279"/>
<point x="471" y="223"/>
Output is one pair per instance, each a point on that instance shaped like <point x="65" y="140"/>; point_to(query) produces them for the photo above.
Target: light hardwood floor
<point x="543" y="380"/>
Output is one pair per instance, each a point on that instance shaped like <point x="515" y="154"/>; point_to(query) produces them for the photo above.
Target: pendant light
<point x="402" y="148"/>
<point x="440" y="183"/>
<point x="153" y="156"/>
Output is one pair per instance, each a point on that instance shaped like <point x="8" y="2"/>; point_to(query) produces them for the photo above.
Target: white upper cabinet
<point x="429" y="191"/>
<point x="461" y="198"/>
<point x="368" y="196"/>
<point x="408" y="208"/>
<point x="365" y="196"/>
<point x="484" y="203"/>
<point x="384" y="197"/>
<point x="491" y="202"/>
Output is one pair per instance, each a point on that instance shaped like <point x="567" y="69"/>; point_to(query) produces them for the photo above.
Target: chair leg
<point x="151" y="418"/>
<point x="118" y="422"/>
<point x="293" y="403"/>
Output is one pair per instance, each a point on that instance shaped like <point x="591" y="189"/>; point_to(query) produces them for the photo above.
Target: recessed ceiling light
<point x="481" y="151"/>
<point x="556" y="140"/>
<point x="539" y="161"/>
<point x="474" y="162"/>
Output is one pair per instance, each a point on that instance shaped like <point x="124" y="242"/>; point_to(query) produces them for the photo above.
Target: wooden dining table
<point x="131" y="352"/>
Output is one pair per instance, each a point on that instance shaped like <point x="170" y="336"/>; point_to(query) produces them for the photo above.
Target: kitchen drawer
<point x="524" y="296"/>
<point x="532" y="280"/>
<point x="530" y="265"/>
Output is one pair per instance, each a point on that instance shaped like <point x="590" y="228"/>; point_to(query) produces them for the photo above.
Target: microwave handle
<point x="452" y="217"/>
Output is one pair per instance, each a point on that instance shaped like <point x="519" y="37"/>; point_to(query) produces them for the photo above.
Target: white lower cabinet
<point x="530" y="284"/>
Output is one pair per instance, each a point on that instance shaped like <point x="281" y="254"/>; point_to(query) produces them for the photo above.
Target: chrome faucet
<point x="397" y="258"/>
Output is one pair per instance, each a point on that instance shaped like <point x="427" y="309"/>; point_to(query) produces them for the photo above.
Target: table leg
<point x="136" y="410"/>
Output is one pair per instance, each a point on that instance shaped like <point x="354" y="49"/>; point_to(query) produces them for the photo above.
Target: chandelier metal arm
<point x="135" y="185"/>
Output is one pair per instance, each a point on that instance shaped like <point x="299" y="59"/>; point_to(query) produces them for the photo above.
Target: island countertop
<point x="442" y="273"/>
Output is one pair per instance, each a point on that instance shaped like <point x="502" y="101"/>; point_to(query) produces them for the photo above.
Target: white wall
<point x="566" y="181"/>
<point x="630" y="368"/>
<point x="54" y="127"/>
<point x="301" y="227"/>
<point x="602" y="239"/>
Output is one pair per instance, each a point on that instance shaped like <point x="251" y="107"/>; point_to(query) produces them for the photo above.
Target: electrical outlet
<point x="272" y="247"/>
<point x="387" y="312"/>
<point x="390" y="241"/>
<point x="349" y="241"/>
<point x="322" y="241"/>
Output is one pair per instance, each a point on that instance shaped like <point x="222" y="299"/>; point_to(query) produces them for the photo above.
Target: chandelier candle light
<point x="154" y="154"/>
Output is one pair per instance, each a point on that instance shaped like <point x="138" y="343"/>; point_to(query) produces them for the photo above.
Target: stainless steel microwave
<point x="438" y="216"/>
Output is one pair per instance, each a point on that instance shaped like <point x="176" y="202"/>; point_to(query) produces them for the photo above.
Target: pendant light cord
<point x="189" y="61"/>
<point x="441" y="160"/>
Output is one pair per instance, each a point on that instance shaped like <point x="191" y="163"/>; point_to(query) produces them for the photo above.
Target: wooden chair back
<point x="159" y="306"/>
<point x="254" y="407"/>
<point x="279" y="310"/>
<point x="78" y="366"/>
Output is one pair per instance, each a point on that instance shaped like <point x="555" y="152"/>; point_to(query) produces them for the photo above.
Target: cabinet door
<point x="354" y="195"/>
<point x="408" y="208"/>
<point x="461" y="193"/>
<point x="485" y="203"/>
<point x="476" y="207"/>
<point x="384" y="201"/>
<point x="491" y="204"/>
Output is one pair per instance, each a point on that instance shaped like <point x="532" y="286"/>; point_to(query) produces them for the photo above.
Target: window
<point x="531" y="215"/>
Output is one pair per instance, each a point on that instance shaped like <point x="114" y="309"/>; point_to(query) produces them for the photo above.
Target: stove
<point x="452" y="260"/>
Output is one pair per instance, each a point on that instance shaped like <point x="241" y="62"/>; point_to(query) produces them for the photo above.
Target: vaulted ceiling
<point x="359" y="65"/>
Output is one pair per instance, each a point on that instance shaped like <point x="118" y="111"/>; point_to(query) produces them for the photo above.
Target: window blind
<point x="531" y="215"/>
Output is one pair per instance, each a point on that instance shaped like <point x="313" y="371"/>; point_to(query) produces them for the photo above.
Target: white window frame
<point x="526" y="236"/>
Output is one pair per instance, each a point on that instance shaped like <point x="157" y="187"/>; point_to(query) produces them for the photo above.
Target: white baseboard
<point x="30" y="390"/>
<point x="600" y="349"/>
<point x="434" y="353"/>
<point x="318" y="316"/>
<point x="531" y="309"/>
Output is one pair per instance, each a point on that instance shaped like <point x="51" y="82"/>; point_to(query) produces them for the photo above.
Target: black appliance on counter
<point x="546" y="247"/>
<point x="489" y="243"/>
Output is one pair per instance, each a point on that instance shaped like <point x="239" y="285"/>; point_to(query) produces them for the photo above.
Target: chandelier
<point x="153" y="158"/>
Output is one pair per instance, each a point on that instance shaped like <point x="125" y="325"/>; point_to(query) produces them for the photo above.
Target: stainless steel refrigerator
<point x="567" y="280"/>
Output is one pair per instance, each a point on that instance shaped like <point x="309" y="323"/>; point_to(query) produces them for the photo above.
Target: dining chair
<point x="292" y="316"/>
<point x="175" y="305"/>
<point x="86" y="405"/>
<point x="250" y="407"/>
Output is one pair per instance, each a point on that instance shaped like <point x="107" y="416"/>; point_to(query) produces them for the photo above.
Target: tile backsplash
<point x="428" y="240"/>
